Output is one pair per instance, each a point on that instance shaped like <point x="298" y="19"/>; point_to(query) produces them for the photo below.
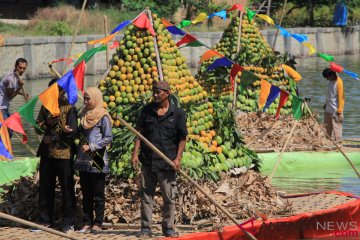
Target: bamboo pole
<point x="75" y="33"/>
<point x="336" y="145"/>
<point x="268" y="11"/>
<point x="283" y="150"/>
<point x="34" y="225"/>
<point x="197" y="186"/>
<point x="106" y="34"/>
<point x="280" y="22"/>
<point x="30" y="149"/>
<point x="261" y="6"/>
<point x="238" y="47"/>
<point x="158" y="61"/>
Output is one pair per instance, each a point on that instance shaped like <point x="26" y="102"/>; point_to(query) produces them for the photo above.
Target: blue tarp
<point x="340" y="15"/>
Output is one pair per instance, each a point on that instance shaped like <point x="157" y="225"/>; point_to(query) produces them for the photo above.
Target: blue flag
<point x="68" y="83"/>
<point x="274" y="93"/>
<point x="175" y="30"/>
<point x="283" y="31"/>
<point x="351" y="74"/>
<point x="300" y="37"/>
<point x="224" y="61"/>
<point x="120" y="26"/>
<point x="3" y="151"/>
<point x="221" y="14"/>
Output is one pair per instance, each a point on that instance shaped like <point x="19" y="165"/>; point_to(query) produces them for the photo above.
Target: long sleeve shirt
<point x="335" y="98"/>
<point x="98" y="137"/>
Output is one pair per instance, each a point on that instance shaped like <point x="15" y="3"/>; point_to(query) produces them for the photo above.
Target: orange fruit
<point x="219" y="150"/>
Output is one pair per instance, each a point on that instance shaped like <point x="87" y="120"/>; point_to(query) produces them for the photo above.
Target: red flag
<point x="14" y="122"/>
<point x="234" y="70"/>
<point x="186" y="39"/>
<point x="237" y="6"/>
<point x="78" y="73"/>
<point x="283" y="99"/>
<point x="114" y="45"/>
<point x="336" y="68"/>
<point x="143" y="21"/>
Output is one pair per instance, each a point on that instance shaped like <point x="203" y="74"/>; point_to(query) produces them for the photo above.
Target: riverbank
<point x="40" y="50"/>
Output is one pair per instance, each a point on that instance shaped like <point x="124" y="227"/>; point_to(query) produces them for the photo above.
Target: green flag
<point x="27" y="111"/>
<point x="250" y="14"/>
<point x="89" y="54"/>
<point x="194" y="44"/>
<point x="247" y="78"/>
<point x="326" y="57"/>
<point x="184" y="23"/>
<point x="296" y="107"/>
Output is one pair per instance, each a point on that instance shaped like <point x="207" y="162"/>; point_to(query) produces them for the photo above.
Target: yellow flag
<point x="311" y="48"/>
<point x="266" y="18"/>
<point x="104" y="40"/>
<point x="201" y="17"/>
<point x="77" y="55"/>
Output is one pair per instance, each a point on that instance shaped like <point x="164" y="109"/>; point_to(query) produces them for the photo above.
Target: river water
<point x="312" y="85"/>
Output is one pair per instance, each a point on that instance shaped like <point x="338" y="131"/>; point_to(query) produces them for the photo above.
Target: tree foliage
<point x="164" y="8"/>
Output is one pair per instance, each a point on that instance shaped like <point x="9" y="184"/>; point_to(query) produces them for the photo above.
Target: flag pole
<point x="106" y="34"/>
<point x="280" y="22"/>
<point x="238" y="47"/>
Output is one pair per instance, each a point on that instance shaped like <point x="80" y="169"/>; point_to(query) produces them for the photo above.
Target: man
<point x="11" y="85"/>
<point x="334" y="105"/>
<point x="164" y="125"/>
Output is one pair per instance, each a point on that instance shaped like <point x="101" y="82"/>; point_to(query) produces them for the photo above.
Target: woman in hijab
<point x="92" y="159"/>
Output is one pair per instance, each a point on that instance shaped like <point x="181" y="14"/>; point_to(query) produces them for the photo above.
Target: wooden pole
<point x="26" y="145"/>
<point x="34" y="225"/>
<point x="280" y="22"/>
<point x="261" y="6"/>
<point x="106" y="34"/>
<point x="158" y="61"/>
<point x="336" y="145"/>
<point x="238" y="47"/>
<point x="197" y="186"/>
<point x="268" y="11"/>
<point x="283" y="150"/>
<point x="75" y="33"/>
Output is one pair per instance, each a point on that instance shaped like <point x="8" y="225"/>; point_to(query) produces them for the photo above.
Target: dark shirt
<point x="165" y="132"/>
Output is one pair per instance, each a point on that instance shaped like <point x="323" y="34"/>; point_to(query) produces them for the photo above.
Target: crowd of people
<point x="162" y="122"/>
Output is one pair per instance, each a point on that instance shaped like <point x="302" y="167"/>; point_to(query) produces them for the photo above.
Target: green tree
<point x="164" y="8"/>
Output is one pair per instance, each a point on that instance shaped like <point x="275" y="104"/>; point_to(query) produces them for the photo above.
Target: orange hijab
<point x="92" y="114"/>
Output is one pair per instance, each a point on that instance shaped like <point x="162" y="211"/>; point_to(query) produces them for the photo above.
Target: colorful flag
<point x="234" y="70"/>
<point x="250" y="14"/>
<point x="171" y="28"/>
<point x="186" y="39"/>
<point x="14" y="123"/>
<point x="166" y="23"/>
<point x="264" y="93"/>
<point x="296" y="107"/>
<point x="104" y="40"/>
<point x="336" y="68"/>
<point x="284" y="95"/>
<point x="89" y="54"/>
<point x="3" y="150"/>
<point x="4" y="134"/>
<point x="326" y="57"/>
<point x="142" y="21"/>
<point x="209" y="54"/>
<point x="120" y="26"/>
<point x="61" y="60"/>
<point x="114" y="45"/>
<point x="351" y="74"/>
<point x="311" y="48"/>
<point x="27" y="111"/>
<point x="50" y="99"/>
<point x="224" y="61"/>
<point x="79" y="74"/>
<point x="266" y="18"/>
<point x="237" y="7"/>
<point x="184" y="23"/>
<point x="221" y="14"/>
<point x="283" y="31"/>
<point x="300" y="37"/>
<point x="201" y="17"/>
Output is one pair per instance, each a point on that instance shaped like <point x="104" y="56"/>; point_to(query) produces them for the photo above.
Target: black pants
<point x="93" y="190"/>
<point x="50" y="168"/>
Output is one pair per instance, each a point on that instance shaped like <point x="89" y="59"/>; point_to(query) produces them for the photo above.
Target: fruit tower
<point x="256" y="56"/>
<point x="128" y="87"/>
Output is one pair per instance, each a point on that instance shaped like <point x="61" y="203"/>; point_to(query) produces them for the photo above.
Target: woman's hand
<point x="67" y="129"/>
<point x="85" y="148"/>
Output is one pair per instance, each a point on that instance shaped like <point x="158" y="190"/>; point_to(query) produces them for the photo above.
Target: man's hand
<point x="135" y="161"/>
<point x="67" y="129"/>
<point x="85" y="148"/>
<point x="47" y="139"/>
<point x="340" y="117"/>
<point x="21" y="83"/>
<point x="177" y="164"/>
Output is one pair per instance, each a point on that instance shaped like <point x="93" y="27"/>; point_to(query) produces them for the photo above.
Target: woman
<point x="56" y="152"/>
<point x="92" y="159"/>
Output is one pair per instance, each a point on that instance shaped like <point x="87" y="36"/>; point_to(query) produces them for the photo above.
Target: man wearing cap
<point x="164" y="125"/>
<point x="334" y="105"/>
